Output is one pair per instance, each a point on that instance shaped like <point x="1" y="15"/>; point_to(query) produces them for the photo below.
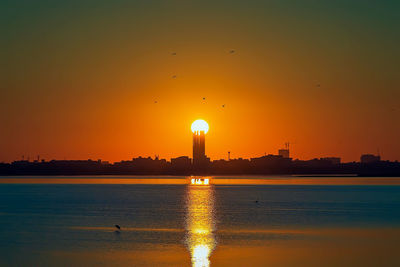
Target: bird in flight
<point x="231" y="51"/>
<point x="155" y="102"/>
<point x="117" y="226"/>
<point x="223" y="105"/>
<point x="174" y="53"/>
<point x="174" y="76"/>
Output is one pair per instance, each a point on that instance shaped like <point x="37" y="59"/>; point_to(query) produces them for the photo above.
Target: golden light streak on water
<point x="200" y="224"/>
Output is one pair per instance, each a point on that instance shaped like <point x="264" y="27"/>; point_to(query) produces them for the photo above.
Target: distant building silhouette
<point x="270" y="164"/>
<point x="181" y="164"/>
<point x="284" y="152"/>
<point x="370" y="158"/>
<point x="333" y="160"/>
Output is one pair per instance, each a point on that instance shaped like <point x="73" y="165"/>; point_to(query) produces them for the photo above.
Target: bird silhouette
<point x="223" y="105"/>
<point x="231" y="51"/>
<point x="118" y="227"/>
<point x="204" y="98"/>
<point x="174" y="53"/>
<point x="155" y="102"/>
<point x="174" y="76"/>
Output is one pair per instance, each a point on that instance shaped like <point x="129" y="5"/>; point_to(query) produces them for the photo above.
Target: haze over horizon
<point x="84" y="80"/>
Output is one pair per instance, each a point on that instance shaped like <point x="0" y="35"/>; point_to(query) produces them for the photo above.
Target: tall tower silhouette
<point x="200" y="160"/>
<point x="199" y="149"/>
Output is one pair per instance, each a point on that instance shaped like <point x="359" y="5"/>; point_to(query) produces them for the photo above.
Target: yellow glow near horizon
<point x="204" y="181"/>
<point x="199" y="125"/>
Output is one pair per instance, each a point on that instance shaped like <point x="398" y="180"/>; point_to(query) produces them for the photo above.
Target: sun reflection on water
<point x="200" y="224"/>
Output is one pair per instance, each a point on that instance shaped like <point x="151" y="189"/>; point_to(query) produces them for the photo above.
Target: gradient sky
<point x="79" y="79"/>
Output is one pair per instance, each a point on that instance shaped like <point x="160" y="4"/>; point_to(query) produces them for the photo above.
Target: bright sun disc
<point x="199" y="125"/>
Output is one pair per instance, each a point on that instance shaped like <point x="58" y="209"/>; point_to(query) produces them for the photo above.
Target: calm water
<point x="169" y="223"/>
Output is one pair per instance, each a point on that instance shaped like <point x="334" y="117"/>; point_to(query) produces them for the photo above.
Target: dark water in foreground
<point x="182" y="225"/>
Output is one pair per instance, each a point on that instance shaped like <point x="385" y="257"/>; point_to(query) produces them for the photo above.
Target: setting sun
<point x="199" y="125"/>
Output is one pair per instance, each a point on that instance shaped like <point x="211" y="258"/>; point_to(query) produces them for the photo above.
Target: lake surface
<point x="236" y="221"/>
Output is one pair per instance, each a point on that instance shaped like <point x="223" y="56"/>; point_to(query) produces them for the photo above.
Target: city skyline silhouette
<point x="200" y="164"/>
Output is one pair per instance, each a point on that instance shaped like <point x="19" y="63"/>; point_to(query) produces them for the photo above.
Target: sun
<point x="199" y="125"/>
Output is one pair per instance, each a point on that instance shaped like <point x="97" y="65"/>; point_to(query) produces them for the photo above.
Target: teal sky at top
<point x="32" y="29"/>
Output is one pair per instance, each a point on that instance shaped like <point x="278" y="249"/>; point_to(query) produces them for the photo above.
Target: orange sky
<point x="81" y="83"/>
